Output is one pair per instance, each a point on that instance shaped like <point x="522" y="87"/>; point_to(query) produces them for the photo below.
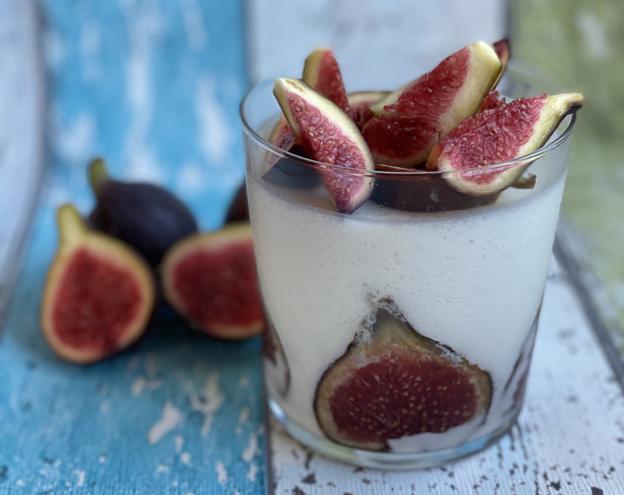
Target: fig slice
<point x="328" y="135"/>
<point x="98" y="296"/>
<point x="322" y="73"/>
<point x="408" y="122"/>
<point x="359" y="105"/>
<point x="210" y="279"/>
<point x="506" y="132"/>
<point x="421" y="192"/>
<point x="147" y="216"/>
<point x="396" y="383"/>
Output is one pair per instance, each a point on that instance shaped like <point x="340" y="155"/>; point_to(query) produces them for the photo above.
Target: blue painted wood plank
<point x="154" y="86"/>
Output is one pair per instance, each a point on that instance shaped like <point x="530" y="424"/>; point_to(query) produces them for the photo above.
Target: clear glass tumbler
<point x="399" y="336"/>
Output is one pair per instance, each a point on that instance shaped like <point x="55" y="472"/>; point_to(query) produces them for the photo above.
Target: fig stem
<point x="70" y="223"/>
<point x="98" y="175"/>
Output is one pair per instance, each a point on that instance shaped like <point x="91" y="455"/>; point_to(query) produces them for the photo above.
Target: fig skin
<point x="76" y="242"/>
<point x="238" y="211"/>
<point x="392" y="384"/>
<point x="425" y="193"/>
<point x="146" y="216"/>
<point x="230" y="307"/>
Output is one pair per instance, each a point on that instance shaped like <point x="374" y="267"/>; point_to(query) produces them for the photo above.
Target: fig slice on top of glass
<point x="402" y="240"/>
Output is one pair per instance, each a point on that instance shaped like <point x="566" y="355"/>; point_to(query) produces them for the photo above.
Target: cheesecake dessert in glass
<point x="402" y="241"/>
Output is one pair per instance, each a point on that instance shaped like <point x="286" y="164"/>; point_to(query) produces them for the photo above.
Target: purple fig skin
<point x="328" y="135"/>
<point x="146" y="216"/>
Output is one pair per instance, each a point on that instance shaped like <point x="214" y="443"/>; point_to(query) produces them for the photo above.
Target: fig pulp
<point x="328" y="135"/>
<point x="98" y="296"/>
<point x="509" y="131"/>
<point x="146" y="216"/>
<point x="395" y="383"/>
<point x="409" y="121"/>
<point x="360" y="103"/>
<point x="210" y="279"/>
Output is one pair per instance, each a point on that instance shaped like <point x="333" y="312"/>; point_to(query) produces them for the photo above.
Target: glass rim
<point x="550" y="145"/>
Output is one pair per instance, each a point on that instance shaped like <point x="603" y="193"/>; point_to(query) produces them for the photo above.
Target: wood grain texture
<point x="153" y="86"/>
<point x="569" y="438"/>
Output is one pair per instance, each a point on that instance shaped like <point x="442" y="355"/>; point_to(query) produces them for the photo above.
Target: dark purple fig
<point x="146" y="216"/>
<point x="238" y="210"/>
<point x="421" y="192"/>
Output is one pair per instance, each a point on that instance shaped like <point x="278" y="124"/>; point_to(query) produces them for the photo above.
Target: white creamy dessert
<point x="472" y="280"/>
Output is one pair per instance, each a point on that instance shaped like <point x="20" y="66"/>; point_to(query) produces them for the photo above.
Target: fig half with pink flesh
<point x="410" y="121"/>
<point x="397" y="383"/>
<point x="99" y="293"/>
<point x="504" y="133"/>
<point x="328" y="135"/>
<point x="210" y="279"/>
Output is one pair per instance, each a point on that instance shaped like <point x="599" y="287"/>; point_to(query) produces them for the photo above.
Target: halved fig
<point x="397" y="383"/>
<point x="210" y="280"/>
<point x="506" y="132"/>
<point x="359" y="105"/>
<point x="411" y="120"/>
<point x="420" y="192"/>
<point x="99" y="293"/>
<point x="322" y="73"/>
<point x="328" y="135"/>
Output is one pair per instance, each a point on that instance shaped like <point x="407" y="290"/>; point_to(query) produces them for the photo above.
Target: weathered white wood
<point x="569" y="438"/>
<point x="380" y="45"/>
<point x="21" y="131"/>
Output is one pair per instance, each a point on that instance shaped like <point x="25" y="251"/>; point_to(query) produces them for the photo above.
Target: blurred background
<point x="154" y="86"/>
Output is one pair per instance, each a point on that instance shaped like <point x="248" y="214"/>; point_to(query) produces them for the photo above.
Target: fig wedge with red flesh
<point x="210" y="279"/>
<point x="359" y="105"/>
<point x="504" y="133"/>
<point x="328" y="135"/>
<point x="492" y="100"/>
<point x="99" y="293"/>
<point x="397" y="383"/>
<point x="411" y="120"/>
<point x="322" y="73"/>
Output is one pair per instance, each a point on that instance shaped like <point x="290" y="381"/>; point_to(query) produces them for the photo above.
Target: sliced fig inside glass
<point x="210" y="279"/>
<point x="146" y="216"/>
<point x="410" y="121"/>
<point x="328" y="135"/>
<point x="507" y="132"/>
<point x="396" y="383"/>
<point x="99" y="293"/>
<point x="421" y="192"/>
<point x="503" y="50"/>
<point x="276" y="369"/>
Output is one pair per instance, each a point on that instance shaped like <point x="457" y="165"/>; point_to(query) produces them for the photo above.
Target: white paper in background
<point x="379" y="44"/>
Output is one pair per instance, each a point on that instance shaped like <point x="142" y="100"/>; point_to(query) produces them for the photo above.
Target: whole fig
<point x="146" y="216"/>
